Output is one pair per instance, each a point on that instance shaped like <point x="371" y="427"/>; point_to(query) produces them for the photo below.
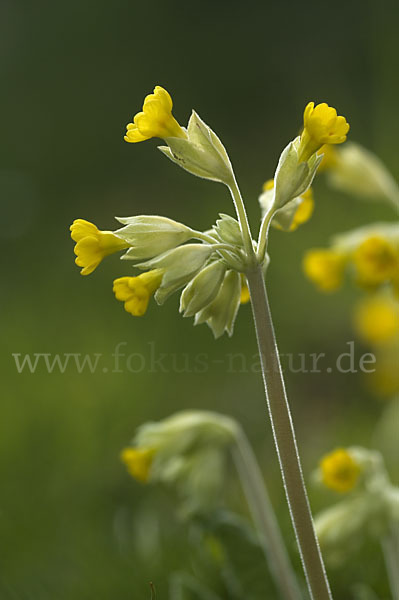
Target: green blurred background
<point x="72" y="523"/>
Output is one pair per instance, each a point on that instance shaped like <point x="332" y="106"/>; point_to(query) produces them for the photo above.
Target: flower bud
<point x="220" y="315"/>
<point x="202" y="290"/>
<point x="149" y="236"/>
<point x="179" y="266"/>
<point x="228" y="230"/>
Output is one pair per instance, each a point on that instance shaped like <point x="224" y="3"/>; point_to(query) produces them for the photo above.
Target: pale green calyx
<point x="203" y="289"/>
<point x="227" y="229"/>
<point x="201" y="153"/>
<point x="220" y="314"/>
<point x="151" y="235"/>
<point x="358" y="171"/>
<point x="179" y="265"/>
<point x="292" y="177"/>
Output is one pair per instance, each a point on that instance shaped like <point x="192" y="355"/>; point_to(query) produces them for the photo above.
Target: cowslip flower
<point x="155" y="120"/>
<point x="376" y="261"/>
<point x="136" y="292"/>
<point x="339" y="471"/>
<point x="92" y="245"/>
<point x="138" y="462"/>
<point x="376" y="319"/>
<point x="321" y="126"/>
<point x="325" y="268"/>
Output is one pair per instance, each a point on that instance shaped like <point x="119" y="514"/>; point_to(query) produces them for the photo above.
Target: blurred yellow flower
<point x="377" y="319"/>
<point x="93" y="245"/>
<point x="245" y="296"/>
<point x="376" y="261"/>
<point x="339" y="471"/>
<point x="304" y="210"/>
<point x="321" y="126"/>
<point x="156" y="119"/>
<point x="136" y="292"/>
<point x="325" y="268"/>
<point x="138" y="462"/>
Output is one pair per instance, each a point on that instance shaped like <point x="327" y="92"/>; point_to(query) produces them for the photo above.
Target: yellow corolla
<point x="376" y="261"/>
<point x="325" y="268"/>
<point x="339" y="471"/>
<point x="155" y="120"/>
<point x="377" y="319"/>
<point x="92" y="245"/>
<point x="136" y="292"/>
<point x="321" y="125"/>
<point x="138" y="462"/>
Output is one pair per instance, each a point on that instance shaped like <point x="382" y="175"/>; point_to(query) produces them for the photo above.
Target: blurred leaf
<point x="245" y="571"/>
<point x="185" y="587"/>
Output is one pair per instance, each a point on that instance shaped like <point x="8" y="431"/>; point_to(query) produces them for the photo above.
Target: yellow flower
<point x="138" y="462"/>
<point x="245" y="296"/>
<point x="377" y="319"/>
<point x="156" y="119"/>
<point x="136" y="292"/>
<point x="304" y="210"/>
<point x="376" y="261"/>
<point x="321" y="126"/>
<point x="92" y="245"/>
<point x="325" y="268"/>
<point x="330" y="158"/>
<point x="340" y="472"/>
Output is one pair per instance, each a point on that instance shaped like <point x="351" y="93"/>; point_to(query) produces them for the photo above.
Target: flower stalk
<point x="285" y="441"/>
<point x="264" y="518"/>
<point x="390" y="549"/>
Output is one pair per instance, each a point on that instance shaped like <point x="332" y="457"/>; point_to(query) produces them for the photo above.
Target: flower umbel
<point x="155" y="120"/>
<point x="321" y="126"/>
<point x="136" y="292"/>
<point x="92" y="245"/>
<point x="340" y="472"/>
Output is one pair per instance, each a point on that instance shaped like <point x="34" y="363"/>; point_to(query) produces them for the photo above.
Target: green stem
<point x="285" y="441"/>
<point x="390" y="548"/>
<point x="262" y="240"/>
<point x="243" y="219"/>
<point x="264" y="518"/>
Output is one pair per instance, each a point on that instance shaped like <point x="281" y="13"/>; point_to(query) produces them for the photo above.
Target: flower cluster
<point x="370" y="254"/>
<point x="178" y="451"/>
<point x="370" y="507"/>
<point x="210" y="266"/>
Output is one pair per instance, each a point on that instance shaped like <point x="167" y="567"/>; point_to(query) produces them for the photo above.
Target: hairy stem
<point x="264" y="519"/>
<point x="285" y="441"/>
<point x="390" y="548"/>
<point x="243" y="219"/>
